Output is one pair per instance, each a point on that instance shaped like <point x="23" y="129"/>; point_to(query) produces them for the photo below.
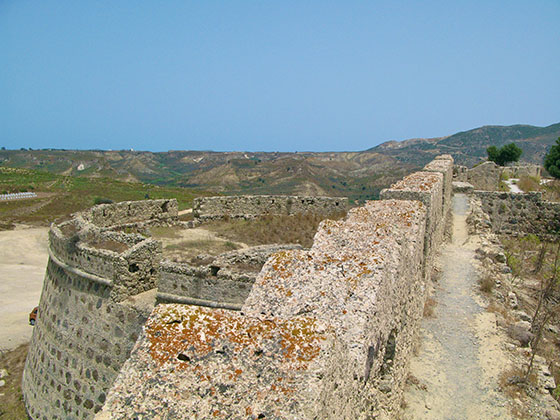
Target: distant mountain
<point x="469" y="147"/>
<point x="357" y="175"/>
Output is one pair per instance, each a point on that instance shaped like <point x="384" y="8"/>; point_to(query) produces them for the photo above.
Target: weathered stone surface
<point x="202" y="363"/>
<point x="443" y="165"/>
<point x="485" y="176"/>
<point x="426" y="187"/>
<point x="515" y="213"/>
<point x="224" y="281"/>
<point x="519" y="170"/>
<point x="462" y="187"/>
<point x="251" y="206"/>
<point x="132" y="212"/>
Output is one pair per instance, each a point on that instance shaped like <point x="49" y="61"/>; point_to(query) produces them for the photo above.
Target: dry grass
<point x="108" y="244"/>
<point x="188" y="250"/>
<point x="486" y="284"/>
<point x="165" y="232"/>
<point x="497" y="308"/>
<point x="11" y="399"/>
<point x="269" y="229"/>
<point x="529" y="183"/>
<point x="551" y="191"/>
<point x="429" y="307"/>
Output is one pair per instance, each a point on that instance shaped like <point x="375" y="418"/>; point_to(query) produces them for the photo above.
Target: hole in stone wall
<point x="389" y="355"/>
<point x="165" y="207"/>
<point x="372" y="352"/>
<point x="133" y="268"/>
<point x="214" y="270"/>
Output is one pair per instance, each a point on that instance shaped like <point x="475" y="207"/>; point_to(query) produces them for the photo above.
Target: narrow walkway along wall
<point x="324" y="333"/>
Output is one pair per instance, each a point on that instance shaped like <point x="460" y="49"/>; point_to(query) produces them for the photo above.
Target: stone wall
<point x="119" y="214"/>
<point x="485" y="176"/>
<point x="96" y="297"/>
<point x="251" y="206"/>
<point x="515" y="213"/>
<point x="426" y="187"/>
<point x="517" y="171"/>
<point x="224" y="282"/>
<point x="324" y="333"/>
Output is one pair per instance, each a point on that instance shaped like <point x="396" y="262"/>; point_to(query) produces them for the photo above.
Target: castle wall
<point x="87" y="322"/>
<point x="515" y="213"/>
<point x="485" y="176"/>
<point x="517" y="171"/>
<point x="105" y="215"/>
<point x="324" y="333"/>
<point x="251" y="206"/>
<point x="221" y="283"/>
<point x="426" y="187"/>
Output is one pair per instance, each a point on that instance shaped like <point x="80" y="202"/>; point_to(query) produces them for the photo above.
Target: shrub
<point x="552" y="160"/>
<point x="486" y="284"/>
<point x="508" y="153"/>
<point x="102" y="200"/>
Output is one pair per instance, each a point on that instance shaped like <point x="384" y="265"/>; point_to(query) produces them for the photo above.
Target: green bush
<point x="102" y="200"/>
<point x="508" y="153"/>
<point x="552" y="160"/>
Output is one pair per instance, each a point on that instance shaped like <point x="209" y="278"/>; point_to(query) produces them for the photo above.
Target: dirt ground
<point x="23" y="259"/>
<point x="461" y="352"/>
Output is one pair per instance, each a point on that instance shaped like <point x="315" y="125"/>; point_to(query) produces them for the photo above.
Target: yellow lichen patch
<point x="184" y="334"/>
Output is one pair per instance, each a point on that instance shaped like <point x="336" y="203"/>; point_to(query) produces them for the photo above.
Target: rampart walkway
<point x="453" y="363"/>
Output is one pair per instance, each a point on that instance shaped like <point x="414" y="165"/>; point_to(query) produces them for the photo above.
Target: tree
<point x="508" y="153"/>
<point x="552" y="160"/>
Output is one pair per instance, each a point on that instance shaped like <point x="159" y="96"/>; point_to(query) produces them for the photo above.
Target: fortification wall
<point x="94" y="302"/>
<point x="426" y="187"/>
<point x="485" y="176"/>
<point x="515" y="213"/>
<point x="517" y="171"/>
<point x="251" y="206"/>
<point x="324" y="333"/>
<point x="223" y="283"/>
<point x="105" y="215"/>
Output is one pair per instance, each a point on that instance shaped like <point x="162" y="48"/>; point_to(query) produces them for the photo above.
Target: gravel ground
<point x="461" y="354"/>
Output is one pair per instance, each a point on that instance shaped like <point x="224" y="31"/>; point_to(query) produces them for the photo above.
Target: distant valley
<point x="357" y="175"/>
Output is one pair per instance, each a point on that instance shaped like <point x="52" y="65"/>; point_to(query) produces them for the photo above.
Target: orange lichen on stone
<point x="418" y="181"/>
<point x="184" y="334"/>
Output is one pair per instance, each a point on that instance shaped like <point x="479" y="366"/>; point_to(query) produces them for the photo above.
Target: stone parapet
<point x="223" y="282"/>
<point x="445" y="167"/>
<point x="426" y="187"/>
<point x="105" y="215"/>
<point x="251" y="206"/>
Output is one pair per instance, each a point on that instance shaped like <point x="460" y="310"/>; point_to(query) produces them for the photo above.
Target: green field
<point x="61" y="195"/>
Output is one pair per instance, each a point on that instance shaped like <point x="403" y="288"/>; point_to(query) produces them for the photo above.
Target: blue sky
<point x="267" y="76"/>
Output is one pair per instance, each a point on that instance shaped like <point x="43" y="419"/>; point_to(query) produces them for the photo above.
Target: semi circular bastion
<point x="98" y="292"/>
<point x="103" y="278"/>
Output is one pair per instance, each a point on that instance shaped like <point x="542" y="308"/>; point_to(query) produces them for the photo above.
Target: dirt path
<point x="461" y="350"/>
<point x="23" y="259"/>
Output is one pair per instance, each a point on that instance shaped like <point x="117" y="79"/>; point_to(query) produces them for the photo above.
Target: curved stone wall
<point x="96" y="297"/>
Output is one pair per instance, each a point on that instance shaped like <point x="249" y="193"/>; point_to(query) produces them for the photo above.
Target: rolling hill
<point x="357" y="175"/>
